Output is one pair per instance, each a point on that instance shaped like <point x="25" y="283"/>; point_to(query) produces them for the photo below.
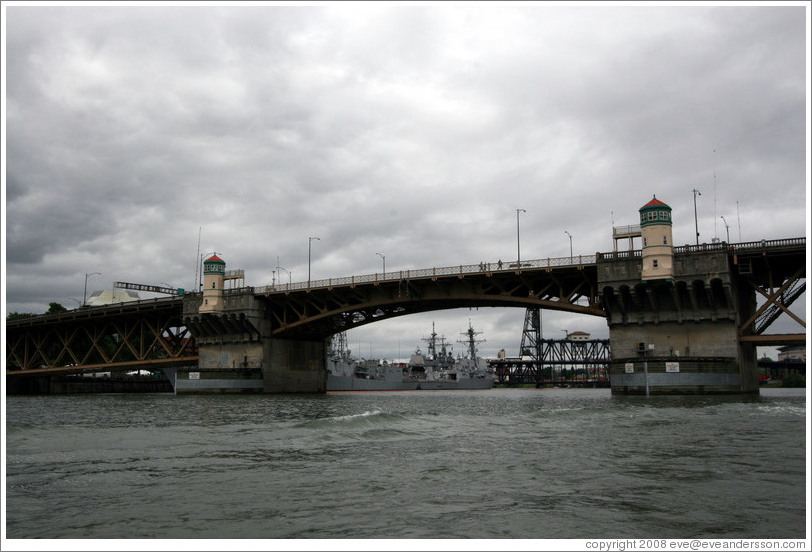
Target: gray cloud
<point x="415" y="132"/>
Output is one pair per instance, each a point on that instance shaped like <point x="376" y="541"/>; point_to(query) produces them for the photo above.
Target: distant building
<point x="106" y="297"/>
<point x="792" y="353"/>
<point x="578" y="336"/>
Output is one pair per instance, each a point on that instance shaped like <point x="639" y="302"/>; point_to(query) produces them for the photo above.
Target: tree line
<point x="53" y="308"/>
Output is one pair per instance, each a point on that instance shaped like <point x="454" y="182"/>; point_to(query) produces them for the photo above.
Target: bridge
<point x="704" y="318"/>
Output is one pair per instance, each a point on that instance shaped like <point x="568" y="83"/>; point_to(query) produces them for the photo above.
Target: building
<point x="792" y="353"/>
<point x="106" y="297"/>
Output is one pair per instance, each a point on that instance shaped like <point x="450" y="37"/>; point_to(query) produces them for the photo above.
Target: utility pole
<point x="518" y="246"/>
<point x="696" y="222"/>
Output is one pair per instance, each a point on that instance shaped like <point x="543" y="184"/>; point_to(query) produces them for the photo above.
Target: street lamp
<point x="739" y="220"/>
<point x="384" y="263"/>
<point x="309" y="241"/>
<point x="696" y="222"/>
<point x="727" y="229"/>
<point x="288" y="273"/>
<point x="566" y="334"/>
<point x="84" y="298"/>
<point x="518" y="243"/>
<point x="567" y="233"/>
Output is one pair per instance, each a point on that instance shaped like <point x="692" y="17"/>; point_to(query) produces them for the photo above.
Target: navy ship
<point x="437" y="369"/>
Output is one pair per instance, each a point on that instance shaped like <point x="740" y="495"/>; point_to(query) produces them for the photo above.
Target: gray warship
<point x="437" y="369"/>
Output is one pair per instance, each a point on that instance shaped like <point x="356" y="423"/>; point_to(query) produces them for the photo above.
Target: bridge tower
<point x="214" y="272"/>
<point x="674" y="319"/>
<point x="236" y="352"/>
<point x="531" y="345"/>
<point x="658" y="245"/>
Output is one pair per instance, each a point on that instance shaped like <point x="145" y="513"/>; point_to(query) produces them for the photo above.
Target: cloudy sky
<point x="139" y="137"/>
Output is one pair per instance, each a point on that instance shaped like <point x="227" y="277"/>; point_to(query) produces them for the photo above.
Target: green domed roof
<point x="655" y="212"/>
<point x="214" y="265"/>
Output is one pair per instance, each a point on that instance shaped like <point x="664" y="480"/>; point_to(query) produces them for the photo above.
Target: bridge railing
<point x="456" y="270"/>
<point x="717" y="246"/>
<point x="89" y="311"/>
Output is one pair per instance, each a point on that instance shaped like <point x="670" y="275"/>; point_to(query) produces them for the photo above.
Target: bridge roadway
<point x="152" y="333"/>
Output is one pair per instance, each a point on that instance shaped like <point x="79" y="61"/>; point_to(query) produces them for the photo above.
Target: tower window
<point x="645" y="242"/>
<point x="665" y="240"/>
<point x="654" y="263"/>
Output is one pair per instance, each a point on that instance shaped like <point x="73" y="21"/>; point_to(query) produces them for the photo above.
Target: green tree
<point x="55" y="308"/>
<point x="793" y="380"/>
<point x="18" y="315"/>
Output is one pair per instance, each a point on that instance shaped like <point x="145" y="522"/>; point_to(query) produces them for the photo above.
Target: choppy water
<point x="529" y="464"/>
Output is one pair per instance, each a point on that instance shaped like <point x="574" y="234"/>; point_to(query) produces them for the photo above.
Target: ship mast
<point x="471" y="341"/>
<point x="444" y="355"/>
<point x="338" y="345"/>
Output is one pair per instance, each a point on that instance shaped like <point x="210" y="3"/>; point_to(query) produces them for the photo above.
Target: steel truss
<point x="584" y="360"/>
<point x="81" y="342"/>
<point x="779" y="279"/>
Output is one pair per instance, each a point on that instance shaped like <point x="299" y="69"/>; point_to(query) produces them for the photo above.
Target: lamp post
<point x="568" y="234"/>
<point x="309" y="241"/>
<point x="288" y="273"/>
<point x="84" y="297"/>
<point x="518" y="242"/>
<point x="727" y="229"/>
<point x="383" y="257"/>
<point x="566" y="334"/>
<point x="739" y="220"/>
<point x="696" y="222"/>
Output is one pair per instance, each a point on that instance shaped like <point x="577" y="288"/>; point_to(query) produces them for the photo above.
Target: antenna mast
<point x="197" y="257"/>
<point x="472" y="342"/>
<point x="715" y="234"/>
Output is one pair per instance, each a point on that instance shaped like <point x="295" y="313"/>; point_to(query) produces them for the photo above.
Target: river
<point x="494" y="464"/>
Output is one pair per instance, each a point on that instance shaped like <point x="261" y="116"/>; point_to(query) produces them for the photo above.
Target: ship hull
<point x="198" y="381"/>
<point x="347" y="383"/>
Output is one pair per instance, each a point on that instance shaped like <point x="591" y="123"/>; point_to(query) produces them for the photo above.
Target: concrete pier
<point x="677" y="335"/>
<point x="238" y="355"/>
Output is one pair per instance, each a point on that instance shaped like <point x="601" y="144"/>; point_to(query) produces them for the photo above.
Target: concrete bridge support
<point x="238" y="355"/>
<point x="295" y="366"/>
<point x="678" y="335"/>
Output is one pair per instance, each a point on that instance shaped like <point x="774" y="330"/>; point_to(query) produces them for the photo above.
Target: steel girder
<point x="100" y="339"/>
<point x="324" y="311"/>
<point x="556" y="354"/>
<point x="778" y="276"/>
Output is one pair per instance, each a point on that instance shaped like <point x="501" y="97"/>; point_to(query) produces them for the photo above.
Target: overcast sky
<point x="140" y="137"/>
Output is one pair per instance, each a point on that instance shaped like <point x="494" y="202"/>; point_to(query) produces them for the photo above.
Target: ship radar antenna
<point x="471" y="340"/>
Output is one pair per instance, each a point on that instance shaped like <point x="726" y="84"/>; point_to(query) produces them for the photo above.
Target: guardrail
<point x="87" y="311"/>
<point x="626" y="230"/>
<point x="457" y="270"/>
<point x="718" y="246"/>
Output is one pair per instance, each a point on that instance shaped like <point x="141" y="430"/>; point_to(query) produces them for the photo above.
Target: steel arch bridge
<point x="327" y="307"/>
